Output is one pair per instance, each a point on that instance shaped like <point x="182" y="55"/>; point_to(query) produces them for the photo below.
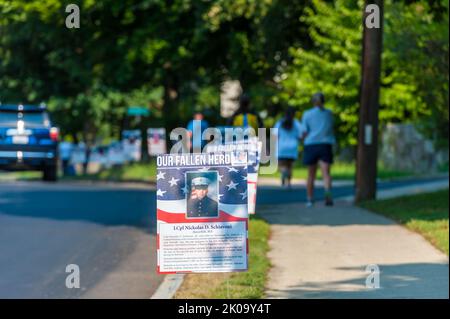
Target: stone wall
<point x="402" y="147"/>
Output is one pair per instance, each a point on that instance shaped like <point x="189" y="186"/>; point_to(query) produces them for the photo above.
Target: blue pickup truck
<point x="28" y="141"/>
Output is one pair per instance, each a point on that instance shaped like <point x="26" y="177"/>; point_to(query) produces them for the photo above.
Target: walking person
<point x="289" y="135"/>
<point x="65" y="153"/>
<point x="245" y="117"/>
<point x="319" y="139"/>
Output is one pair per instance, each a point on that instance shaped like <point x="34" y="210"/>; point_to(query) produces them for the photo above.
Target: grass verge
<point x="27" y="175"/>
<point x="239" y="285"/>
<point x="346" y="171"/>
<point x="146" y="172"/>
<point x="426" y="214"/>
<point x="135" y="172"/>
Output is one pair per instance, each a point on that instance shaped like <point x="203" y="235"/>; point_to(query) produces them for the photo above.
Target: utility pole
<point x="367" y="152"/>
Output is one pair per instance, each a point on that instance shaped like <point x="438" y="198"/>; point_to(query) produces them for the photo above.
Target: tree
<point x="282" y="51"/>
<point x="332" y="65"/>
<point x="417" y="39"/>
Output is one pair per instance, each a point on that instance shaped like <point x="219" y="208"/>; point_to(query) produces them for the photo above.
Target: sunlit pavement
<point x="330" y="252"/>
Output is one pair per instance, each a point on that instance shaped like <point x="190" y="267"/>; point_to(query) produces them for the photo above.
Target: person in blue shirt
<point x="195" y="129"/>
<point x="289" y="135"/>
<point x="319" y="139"/>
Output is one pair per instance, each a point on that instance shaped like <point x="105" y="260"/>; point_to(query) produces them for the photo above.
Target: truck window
<point x="31" y="119"/>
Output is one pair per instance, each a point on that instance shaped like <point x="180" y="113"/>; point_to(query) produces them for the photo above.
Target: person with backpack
<point x="245" y="117"/>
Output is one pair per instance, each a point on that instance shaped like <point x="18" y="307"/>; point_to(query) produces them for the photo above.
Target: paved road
<point x="109" y="232"/>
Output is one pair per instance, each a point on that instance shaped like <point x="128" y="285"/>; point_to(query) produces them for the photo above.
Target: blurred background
<point x="172" y="58"/>
<point x="98" y="102"/>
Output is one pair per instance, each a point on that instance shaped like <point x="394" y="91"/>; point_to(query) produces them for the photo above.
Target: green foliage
<point x="417" y="44"/>
<point x="172" y="56"/>
<point x="414" y="86"/>
<point x="331" y="65"/>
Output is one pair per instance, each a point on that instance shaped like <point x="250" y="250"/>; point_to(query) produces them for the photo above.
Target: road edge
<point x="168" y="287"/>
<point x="413" y="189"/>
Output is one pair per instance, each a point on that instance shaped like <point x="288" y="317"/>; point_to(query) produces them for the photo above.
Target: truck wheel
<point x="50" y="174"/>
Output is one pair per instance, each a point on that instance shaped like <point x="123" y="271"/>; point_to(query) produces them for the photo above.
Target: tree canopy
<point x="172" y="56"/>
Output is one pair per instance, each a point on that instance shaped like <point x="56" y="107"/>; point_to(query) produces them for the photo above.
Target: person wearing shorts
<point x="318" y="141"/>
<point x="289" y="134"/>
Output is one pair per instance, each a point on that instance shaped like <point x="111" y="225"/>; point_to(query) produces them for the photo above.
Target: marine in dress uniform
<point x="199" y="204"/>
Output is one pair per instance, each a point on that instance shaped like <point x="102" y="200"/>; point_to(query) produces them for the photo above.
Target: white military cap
<point x="200" y="181"/>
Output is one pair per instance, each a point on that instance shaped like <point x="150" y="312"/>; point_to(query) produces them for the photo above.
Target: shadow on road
<point x="319" y="215"/>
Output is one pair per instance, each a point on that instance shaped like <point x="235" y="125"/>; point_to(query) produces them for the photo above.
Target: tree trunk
<point x="367" y="152"/>
<point x="170" y="112"/>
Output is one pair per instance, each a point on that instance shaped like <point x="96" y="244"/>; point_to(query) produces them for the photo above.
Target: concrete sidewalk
<point x="323" y="252"/>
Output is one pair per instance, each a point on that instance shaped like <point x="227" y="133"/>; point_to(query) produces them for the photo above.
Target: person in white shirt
<point x="319" y="138"/>
<point x="289" y="135"/>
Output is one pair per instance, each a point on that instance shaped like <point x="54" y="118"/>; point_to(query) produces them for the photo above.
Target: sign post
<point x="139" y="112"/>
<point x="367" y="152"/>
<point x="156" y="141"/>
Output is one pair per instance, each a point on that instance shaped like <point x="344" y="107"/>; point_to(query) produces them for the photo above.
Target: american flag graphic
<point x="231" y="195"/>
<point x="253" y="161"/>
<point x="254" y="156"/>
<point x="253" y="147"/>
<point x="172" y="191"/>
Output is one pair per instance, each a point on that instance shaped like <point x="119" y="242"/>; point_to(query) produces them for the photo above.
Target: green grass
<point x="245" y="285"/>
<point x="250" y="284"/>
<point x="345" y="171"/>
<point x="147" y="173"/>
<point x="426" y="214"/>
<point x="25" y="175"/>
<point x="136" y="172"/>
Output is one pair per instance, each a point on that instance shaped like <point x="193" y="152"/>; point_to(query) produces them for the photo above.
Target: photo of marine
<point x="199" y="204"/>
